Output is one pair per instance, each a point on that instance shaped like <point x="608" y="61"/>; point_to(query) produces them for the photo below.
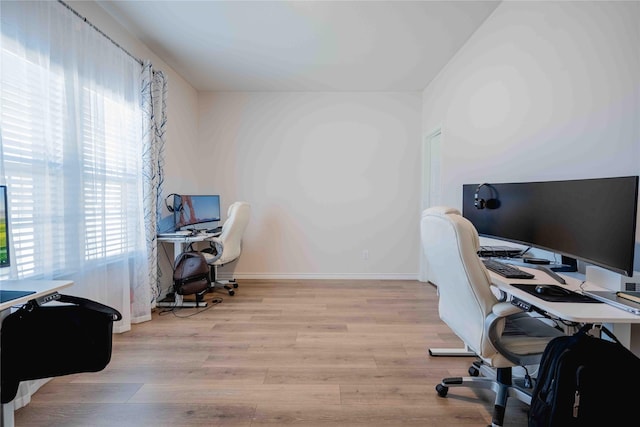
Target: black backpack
<point x="586" y="381"/>
<point x="191" y="274"/>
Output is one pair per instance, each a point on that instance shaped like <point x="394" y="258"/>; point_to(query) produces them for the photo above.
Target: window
<point x="72" y="160"/>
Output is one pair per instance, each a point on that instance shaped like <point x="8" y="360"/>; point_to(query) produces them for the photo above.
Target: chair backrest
<point x="232" y="231"/>
<point x="450" y="244"/>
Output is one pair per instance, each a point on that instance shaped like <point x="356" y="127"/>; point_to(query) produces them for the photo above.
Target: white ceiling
<point x="303" y="45"/>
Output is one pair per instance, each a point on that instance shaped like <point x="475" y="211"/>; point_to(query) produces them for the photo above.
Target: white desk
<point x="597" y="313"/>
<point x="574" y="312"/>
<point x="42" y="288"/>
<point x="620" y="321"/>
<point x="179" y="244"/>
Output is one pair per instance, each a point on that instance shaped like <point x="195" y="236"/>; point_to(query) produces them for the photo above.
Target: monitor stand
<point x="568" y="265"/>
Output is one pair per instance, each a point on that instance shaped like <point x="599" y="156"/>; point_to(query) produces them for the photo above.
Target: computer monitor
<point x="593" y="220"/>
<point x="196" y="211"/>
<point x="5" y="258"/>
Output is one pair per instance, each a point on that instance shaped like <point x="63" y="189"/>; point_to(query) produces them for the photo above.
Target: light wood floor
<point x="279" y="353"/>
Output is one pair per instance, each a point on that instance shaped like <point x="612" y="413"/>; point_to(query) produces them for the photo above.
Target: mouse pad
<point x="11" y="295"/>
<point x="558" y="293"/>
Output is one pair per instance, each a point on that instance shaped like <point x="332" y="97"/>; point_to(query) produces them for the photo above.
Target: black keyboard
<point x="506" y="270"/>
<point x="498" y="251"/>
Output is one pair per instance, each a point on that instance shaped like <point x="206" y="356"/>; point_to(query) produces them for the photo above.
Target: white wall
<point x="550" y="86"/>
<point x="542" y="91"/>
<point x="328" y="175"/>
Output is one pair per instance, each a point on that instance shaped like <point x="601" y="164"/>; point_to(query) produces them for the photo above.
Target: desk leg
<point x="622" y="331"/>
<point x="7" y="415"/>
<point x="6" y="410"/>
<point x="177" y="250"/>
<point x="456" y="352"/>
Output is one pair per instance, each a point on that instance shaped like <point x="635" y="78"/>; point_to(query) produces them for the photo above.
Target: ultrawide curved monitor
<point x="593" y="220"/>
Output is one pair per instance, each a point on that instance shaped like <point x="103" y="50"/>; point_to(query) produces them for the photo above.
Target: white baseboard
<point x="335" y="276"/>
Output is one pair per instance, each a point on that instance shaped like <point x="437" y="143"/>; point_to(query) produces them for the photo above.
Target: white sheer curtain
<point x="72" y="144"/>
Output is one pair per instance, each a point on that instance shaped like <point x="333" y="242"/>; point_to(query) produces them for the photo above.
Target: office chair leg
<point x="502" y="385"/>
<point x="229" y="289"/>
<point x="504" y="378"/>
<point x="215" y="283"/>
<point x="474" y="369"/>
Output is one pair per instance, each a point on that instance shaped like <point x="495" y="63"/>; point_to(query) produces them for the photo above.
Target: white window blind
<point x="27" y="159"/>
<point x="113" y="182"/>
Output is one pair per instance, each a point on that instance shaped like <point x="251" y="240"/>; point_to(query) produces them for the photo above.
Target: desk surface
<point x="575" y="312"/>
<point x="41" y="288"/>
<point x="188" y="238"/>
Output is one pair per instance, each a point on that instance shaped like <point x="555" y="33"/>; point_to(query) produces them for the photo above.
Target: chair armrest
<point x="494" y="324"/>
<point x="504" y="309"/>
<point x="499" y="293"/>
<point x="214" y="251"/>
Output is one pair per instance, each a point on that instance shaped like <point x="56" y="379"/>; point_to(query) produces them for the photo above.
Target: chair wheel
<point x="473" y="371"/>
<point x="442" y="390"/>
<point x="232" y="292"/>
<point x="235" y="285"/>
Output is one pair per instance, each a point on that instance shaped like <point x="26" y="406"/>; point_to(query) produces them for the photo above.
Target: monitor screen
<point x="4" y="228"/>
<point x="195" y="211"/>
<point x="593" y="220"/>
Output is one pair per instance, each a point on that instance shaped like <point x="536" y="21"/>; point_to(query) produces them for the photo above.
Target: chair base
<point x="502" y="385"/>
<point x="174" y="300"/>
<point x="229" y="285"/>
<point x="452" y="352"/>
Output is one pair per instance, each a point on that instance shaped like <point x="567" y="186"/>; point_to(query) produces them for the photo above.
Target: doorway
<point x="431" y="184"/>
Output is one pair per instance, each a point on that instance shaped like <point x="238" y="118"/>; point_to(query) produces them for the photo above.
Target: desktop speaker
<point x="612" y="281"/>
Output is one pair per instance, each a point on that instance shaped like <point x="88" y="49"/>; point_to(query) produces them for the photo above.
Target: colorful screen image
<point x="4" y="228"/>
<point x="191" y="210"/>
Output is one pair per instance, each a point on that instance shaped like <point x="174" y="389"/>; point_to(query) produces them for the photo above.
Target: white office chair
<point x="227" y="247"/>
<point x="497" y="331"/>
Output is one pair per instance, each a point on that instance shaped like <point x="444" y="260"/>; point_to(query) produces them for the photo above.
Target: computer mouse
<point x="551" y="291"/>
<point x="541" y="290"/>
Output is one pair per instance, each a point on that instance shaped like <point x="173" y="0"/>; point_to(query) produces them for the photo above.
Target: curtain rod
<point x="139" y="61"/>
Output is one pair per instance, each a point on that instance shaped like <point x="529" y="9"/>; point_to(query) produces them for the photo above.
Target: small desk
<point x="179" y="243"/>
<point x="42" y="288"/>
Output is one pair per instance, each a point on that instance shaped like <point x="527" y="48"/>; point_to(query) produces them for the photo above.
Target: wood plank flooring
<point x="279" y="353"/>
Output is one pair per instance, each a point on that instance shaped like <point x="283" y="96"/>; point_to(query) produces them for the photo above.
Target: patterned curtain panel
<point x="154" y="94"/>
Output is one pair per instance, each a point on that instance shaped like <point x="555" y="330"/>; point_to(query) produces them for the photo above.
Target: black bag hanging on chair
<point x="585" y="381"/>
<point x="39" y="341"/>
